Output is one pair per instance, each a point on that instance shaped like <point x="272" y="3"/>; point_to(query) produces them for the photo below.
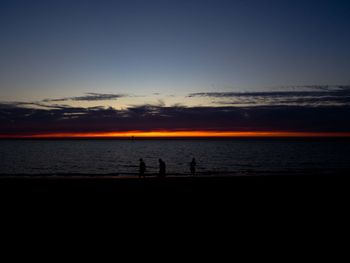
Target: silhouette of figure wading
<point x="142" y="169"/>
<point x="161" y="168"/>
<point x="193" y="167"/>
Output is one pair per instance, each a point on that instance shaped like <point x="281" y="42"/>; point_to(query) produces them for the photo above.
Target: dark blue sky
<point x="55" y="49"/>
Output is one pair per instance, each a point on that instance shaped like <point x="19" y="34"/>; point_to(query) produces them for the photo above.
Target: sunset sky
<point x="103" y="67"/>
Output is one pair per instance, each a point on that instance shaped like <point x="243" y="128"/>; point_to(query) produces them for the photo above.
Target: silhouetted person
<point x="193" y="167"/>
<point x="161" y="168"/>
<point x="142" y="169"/>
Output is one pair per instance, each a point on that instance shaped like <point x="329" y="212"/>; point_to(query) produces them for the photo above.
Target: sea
<point x="214" y="157"/>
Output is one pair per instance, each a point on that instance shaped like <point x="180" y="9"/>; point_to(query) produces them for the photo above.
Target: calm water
<point x="243" y="157"/>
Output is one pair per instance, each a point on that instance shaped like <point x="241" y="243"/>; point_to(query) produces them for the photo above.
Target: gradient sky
<point x="169" y="53"/>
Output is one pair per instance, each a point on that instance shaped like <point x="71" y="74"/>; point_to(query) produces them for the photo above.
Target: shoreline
<point x="302" y="180"/>
<point x="208" y="174"/>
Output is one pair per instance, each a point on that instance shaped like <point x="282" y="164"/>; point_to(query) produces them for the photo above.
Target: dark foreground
<point x="233" y="190"/>
<point x="240" y="203"/>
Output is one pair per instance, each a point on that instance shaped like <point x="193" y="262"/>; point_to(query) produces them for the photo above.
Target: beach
<point x="207" y="203"/>
<point x="268" y="187"/>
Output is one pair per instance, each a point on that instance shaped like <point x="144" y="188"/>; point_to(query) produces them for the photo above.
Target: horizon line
<point x="176" y="134"/>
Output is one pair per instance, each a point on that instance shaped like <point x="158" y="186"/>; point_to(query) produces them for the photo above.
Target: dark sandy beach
<point x="221" y="202"/>
<point x="269" y="188"/>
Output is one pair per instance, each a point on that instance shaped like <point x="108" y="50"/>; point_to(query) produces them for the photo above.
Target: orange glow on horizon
<point x="179" y="134"/>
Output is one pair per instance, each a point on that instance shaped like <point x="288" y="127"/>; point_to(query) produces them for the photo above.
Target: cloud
<point x="89" y="97"/>
<point x="303" y="95"/>
<point x="309" y="108"/>
<point x="19" y="120"/>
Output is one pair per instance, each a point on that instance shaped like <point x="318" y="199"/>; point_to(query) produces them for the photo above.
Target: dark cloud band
<point x="21" y="120"/>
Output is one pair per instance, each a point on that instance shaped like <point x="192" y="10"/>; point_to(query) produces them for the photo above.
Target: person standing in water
<point x="142" y="169"/>
<point x="193" y="167"/>
<point x="161" y="168"/>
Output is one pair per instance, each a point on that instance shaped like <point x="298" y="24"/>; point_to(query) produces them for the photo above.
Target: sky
<point x="103" y="65"/>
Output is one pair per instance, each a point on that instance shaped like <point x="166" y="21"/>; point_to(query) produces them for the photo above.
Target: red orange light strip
<point x="177" y="134"/>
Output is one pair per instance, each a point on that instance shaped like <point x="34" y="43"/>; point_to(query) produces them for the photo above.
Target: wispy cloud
<point x="89" y="97"/>
<point x="301" y="95"/>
